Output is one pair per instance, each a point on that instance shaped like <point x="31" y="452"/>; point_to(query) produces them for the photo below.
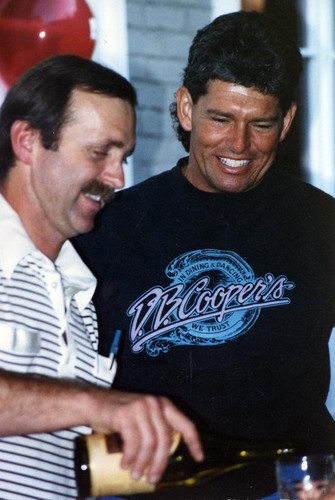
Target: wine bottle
<point x="98" y="458"/>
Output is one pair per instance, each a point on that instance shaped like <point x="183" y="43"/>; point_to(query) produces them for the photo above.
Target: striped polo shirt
<point x="47" y="327"/>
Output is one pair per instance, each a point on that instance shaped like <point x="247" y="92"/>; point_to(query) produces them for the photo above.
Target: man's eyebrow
<point x="112" y="143"/>
<point x="270" y="119"/>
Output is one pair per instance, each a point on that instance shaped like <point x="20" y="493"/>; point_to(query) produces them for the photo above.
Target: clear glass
<point x="307" y="477"/>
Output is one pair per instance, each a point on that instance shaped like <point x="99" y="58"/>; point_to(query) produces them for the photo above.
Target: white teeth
<point x="94" y="197"/>
<point x="233" y="163"/>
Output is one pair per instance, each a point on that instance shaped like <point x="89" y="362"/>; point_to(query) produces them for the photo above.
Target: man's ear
<point x="23" y="137"/>
<point x="184" y="108"/>
<point x="288" y="119"/>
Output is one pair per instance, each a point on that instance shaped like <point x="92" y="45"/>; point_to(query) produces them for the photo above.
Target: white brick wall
<point x="159" y="36"/>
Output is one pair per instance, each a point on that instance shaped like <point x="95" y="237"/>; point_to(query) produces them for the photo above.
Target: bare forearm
<point x="29" y="403"/>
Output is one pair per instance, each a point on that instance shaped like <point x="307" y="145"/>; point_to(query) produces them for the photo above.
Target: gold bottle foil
<point x="107" y="476"/>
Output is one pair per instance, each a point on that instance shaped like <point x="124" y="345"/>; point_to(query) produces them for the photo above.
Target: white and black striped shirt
<point x="47" y="327"/>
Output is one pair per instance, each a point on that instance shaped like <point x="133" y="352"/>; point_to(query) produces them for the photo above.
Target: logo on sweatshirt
<point x="214" y="297"/>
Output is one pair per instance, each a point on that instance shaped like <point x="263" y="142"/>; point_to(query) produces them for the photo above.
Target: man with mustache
<point x="66" y="128"/>
<point x="221" y="270"/>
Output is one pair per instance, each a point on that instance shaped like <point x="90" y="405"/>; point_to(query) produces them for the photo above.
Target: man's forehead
<point x="81" y="95"/>
<point x="224" y="93"/>
<point x="216" y="84"/>
<point x="87" y="106"/>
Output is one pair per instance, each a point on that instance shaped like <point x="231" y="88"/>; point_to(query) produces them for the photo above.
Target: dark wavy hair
<point x="42" y="95"/>
<point x="244" y="48"/>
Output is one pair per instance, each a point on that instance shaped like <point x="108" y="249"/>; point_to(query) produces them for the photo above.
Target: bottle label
<point x="107" y="476"/>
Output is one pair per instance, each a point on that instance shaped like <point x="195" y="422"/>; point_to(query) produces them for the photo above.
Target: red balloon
<point x="31" y="30"/>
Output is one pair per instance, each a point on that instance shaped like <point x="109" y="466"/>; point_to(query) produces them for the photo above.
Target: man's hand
<point x="146" y="424"/>
<point x="33" y="404"/>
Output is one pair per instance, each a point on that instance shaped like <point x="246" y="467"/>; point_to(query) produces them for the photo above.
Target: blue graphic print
<point x="214" y="297"/>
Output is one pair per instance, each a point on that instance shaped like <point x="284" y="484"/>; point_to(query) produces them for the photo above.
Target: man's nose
<point x="113" y="174"/>
<point x="239" y="139"/>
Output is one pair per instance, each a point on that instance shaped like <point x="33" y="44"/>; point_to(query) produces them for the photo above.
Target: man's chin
<point x="84" y="227"/>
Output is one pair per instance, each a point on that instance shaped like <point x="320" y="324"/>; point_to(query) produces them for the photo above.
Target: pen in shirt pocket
<point x="115" y="346"/>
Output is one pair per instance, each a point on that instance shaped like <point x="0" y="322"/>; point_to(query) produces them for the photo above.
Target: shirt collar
<point x="76" y="275"/>
<point x="16" y="244"/>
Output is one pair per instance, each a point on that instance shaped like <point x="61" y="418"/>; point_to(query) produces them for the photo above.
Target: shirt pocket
<point x="20" y="351"/>
<point x="19" y="340"/>
<point x="104" y="370"/>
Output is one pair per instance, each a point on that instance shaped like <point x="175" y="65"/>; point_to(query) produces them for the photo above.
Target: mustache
<point x="97" y="188"/>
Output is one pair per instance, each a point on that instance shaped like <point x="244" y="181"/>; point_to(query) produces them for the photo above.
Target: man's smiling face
<point x="235" y="133"/>
<point x="71" y="183"/>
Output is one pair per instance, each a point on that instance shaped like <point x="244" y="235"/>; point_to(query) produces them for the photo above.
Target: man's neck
<point x="47" y="241"/>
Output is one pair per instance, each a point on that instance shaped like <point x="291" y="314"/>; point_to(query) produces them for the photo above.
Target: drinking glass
<point x="306" y="477"/>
